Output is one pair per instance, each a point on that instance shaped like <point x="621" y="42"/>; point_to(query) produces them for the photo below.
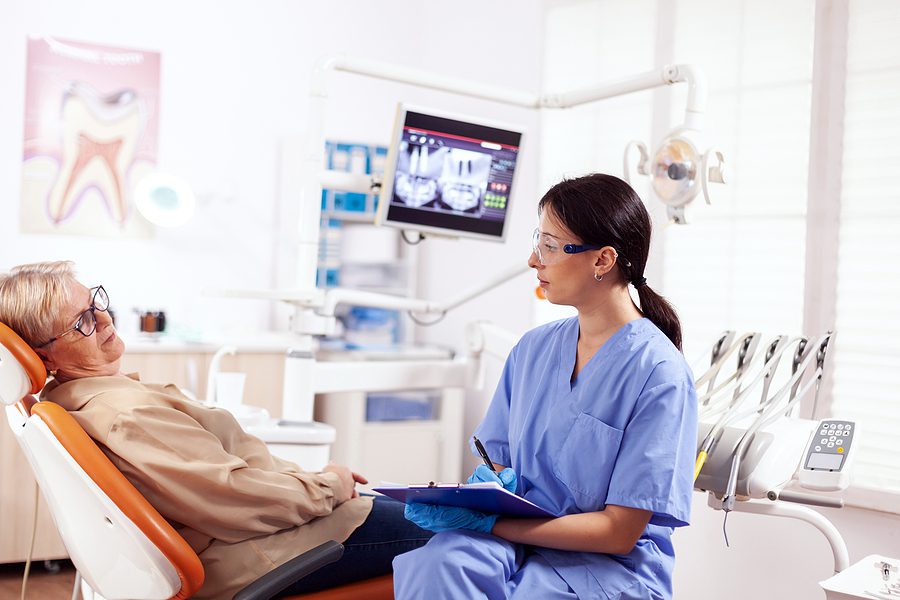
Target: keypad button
<point x="839" y="443"/>
<point x="823" y="441"/>
<point x="840" y="425"/>
<point x="832" y="426"/>
<point x="832" y="438"/>
<point x="831" y="444"/>
<point x="818" y="448"/>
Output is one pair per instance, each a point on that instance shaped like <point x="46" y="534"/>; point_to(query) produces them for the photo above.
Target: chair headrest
<point x="21" y="370"/>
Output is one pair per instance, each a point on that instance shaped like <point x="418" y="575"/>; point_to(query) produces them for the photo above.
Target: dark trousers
<point x="369" y="550"/>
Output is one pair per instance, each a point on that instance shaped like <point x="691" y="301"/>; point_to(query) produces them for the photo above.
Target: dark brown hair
<point x="603" y="210"/>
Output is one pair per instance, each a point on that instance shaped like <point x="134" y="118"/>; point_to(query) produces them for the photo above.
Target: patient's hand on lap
<point x="348" y="480"/>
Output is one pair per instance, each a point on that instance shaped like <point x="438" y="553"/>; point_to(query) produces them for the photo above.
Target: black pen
<point x="484" y="454"/>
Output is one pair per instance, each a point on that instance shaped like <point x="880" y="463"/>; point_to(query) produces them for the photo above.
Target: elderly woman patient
<point x="242" y="510"/>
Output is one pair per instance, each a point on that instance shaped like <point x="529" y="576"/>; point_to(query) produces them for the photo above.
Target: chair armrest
<point x="279" y="578"/>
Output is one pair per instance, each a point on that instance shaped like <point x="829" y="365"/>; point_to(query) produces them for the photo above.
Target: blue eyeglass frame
<point x="576" y="248"/>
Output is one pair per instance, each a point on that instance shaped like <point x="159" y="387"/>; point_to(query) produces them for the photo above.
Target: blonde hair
<point x="32" y="298"/>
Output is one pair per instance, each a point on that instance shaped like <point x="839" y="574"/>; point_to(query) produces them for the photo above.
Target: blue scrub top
<point x="624" y="433"/>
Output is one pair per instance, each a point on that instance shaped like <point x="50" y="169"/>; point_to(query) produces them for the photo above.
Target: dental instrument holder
<point x="773" y="352"/>
<point x="798" y="357"/>
<point x="721" y="345"/>
<point x="771" y="449"/>
<point x="820" y="365"/>
<point x="746" y="353"/>
<point x="765" y="416"/>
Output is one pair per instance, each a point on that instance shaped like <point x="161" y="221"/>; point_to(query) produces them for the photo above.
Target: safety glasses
<point x="550" y="250"/>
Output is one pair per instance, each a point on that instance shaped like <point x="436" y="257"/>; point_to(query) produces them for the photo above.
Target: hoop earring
<point x="598" y="277"/>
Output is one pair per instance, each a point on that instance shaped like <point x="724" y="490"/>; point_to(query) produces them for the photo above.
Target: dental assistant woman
<point x="595" y="418"/>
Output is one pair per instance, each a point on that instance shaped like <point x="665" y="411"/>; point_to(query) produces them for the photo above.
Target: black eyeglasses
<point x="86" y="324"/>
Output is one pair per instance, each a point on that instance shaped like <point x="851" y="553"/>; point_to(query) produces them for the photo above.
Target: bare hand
<point x="348" y="481"/>
<point x="358" y="479"/>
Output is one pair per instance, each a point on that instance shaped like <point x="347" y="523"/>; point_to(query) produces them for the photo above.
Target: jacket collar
<point x="74" y="394"/>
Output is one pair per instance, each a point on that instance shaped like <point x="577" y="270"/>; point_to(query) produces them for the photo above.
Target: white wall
<point x="234" y="84"/>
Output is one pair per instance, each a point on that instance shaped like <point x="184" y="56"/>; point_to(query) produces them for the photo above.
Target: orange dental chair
<point x="120" y="545"/>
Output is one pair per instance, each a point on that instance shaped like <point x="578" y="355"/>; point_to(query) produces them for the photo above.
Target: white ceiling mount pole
<point x="667" y="75"/>
<point x="424" y="79"/>
<point x="697" y="93"/>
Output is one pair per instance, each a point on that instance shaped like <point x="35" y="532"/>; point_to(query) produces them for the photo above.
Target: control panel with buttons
<point x="826" y="461"/>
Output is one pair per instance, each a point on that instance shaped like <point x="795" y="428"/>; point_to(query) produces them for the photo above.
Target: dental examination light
<point x="679" y="170"/>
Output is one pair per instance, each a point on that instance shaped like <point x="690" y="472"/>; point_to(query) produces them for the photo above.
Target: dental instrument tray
<point x="487" y="497"/>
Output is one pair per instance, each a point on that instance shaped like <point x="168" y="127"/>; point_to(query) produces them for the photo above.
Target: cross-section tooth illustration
<point x="99" y="137"/>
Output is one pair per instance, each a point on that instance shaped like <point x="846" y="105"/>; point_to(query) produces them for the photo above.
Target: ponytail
<point x="661" y="313"/>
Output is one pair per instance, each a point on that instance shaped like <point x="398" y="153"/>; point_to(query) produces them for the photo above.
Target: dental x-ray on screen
<point x="448" y="176"/>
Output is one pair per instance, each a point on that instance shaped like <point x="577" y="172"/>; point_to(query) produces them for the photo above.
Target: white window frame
<point x="824" y="208"/>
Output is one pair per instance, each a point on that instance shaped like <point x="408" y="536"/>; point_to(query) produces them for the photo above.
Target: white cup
<point x="230" y="389"/>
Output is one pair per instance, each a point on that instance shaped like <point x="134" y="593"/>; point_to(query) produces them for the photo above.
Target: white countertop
<point x="274" y="343"/>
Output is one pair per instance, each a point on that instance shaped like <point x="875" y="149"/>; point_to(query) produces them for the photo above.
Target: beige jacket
<point x="241" y="509"/>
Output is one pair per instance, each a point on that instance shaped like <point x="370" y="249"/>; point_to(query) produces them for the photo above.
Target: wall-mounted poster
<point x="91" y="127"/>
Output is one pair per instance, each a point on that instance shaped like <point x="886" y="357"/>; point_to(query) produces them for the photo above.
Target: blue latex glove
<point x="443" y="518"/>
<point x="507" y="477"/>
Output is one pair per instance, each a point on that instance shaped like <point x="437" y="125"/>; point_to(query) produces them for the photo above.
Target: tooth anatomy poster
<point x="91" y="127"/>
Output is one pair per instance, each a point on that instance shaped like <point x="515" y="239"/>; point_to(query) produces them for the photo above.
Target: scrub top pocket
<point x="587" y="460"/>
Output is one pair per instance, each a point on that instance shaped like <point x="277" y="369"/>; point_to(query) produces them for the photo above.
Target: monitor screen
<point x="448" y="175"/>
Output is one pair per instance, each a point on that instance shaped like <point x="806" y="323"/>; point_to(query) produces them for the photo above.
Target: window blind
<point x="867" y="349"/>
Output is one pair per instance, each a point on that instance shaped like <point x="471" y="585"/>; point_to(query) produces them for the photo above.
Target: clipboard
<point x="487" y="497"/>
